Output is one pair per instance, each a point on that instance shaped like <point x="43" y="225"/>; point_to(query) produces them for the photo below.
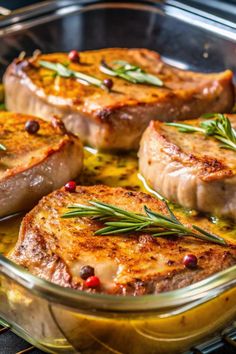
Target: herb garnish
<point x="220" y="128"/>
<point x="2" y="107"/>
<point x="2" y="147"/>
<point x="129" y="72"/>
<point x="64" y="71"/>
<point x="119" y="221"/>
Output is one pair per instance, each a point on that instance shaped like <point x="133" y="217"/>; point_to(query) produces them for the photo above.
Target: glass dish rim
<point x="191" y="295"/>
<point x="19" y="20"/>
<point x="201" y="291"/>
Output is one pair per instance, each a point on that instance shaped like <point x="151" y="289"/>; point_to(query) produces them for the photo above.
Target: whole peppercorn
<point x="70" y="186"/>
<point x="190" y="261"/>
<point x="108" y="83"/>
<point x="32" y="126"/>
<point x="74" y="56"/>
<point x="92" y="282"/>
<point x="86" y="272"/>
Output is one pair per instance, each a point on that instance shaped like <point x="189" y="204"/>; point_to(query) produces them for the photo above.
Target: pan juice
<point x="118" y="170"/>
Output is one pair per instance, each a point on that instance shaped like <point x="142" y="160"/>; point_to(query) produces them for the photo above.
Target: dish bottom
<point x="58" y="329"/>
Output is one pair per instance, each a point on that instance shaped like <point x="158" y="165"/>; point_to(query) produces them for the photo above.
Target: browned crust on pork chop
<point x="196" y="149"/>
<point x="190" y="169"/>
<point x="55" y="248"/>
<point x="116" y="119"/>
<point x="34" y="164"/>
<point x="24" y="150"/>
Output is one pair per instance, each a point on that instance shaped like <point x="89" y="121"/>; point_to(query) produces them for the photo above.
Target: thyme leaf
<point x="129" y="72"/>
<point x="64" y="71"/>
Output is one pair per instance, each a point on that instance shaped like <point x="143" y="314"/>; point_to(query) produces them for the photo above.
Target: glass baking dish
<point x="60" y="320"/>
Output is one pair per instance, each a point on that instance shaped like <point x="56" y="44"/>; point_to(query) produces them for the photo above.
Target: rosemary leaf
<point x="204" y="232"/>
<point x="114" y="231"/>
<point x="119" y="221"/>
<point x="185" y="128"/>
<point x="172" y="215"/>
<point x="153" y="215"/>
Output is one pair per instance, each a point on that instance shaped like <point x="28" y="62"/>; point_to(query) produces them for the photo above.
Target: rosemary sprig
<point x="220" y="128"/>
<point x="2" y="147"/>
<point x="129" y="72"/>
<point x="119" y="221"/>
<point x="64" y="71"/>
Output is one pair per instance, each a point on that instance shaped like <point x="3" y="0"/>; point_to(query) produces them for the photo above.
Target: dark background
<point x="14" y="4"/>
<point x="222" y="8"/>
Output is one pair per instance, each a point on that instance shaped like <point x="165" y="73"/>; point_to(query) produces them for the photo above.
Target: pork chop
<point x="55" y="248"/>
<point x="34" y="164"/>
<point x="115" y="119"/>
<point x="190" y="169"/>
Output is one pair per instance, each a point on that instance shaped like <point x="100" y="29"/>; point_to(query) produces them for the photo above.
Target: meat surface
<point x="55" y="248"/>
<point x="190" y="169"/>
<point x="34" y="165"/>
<point x="116" y="119"/>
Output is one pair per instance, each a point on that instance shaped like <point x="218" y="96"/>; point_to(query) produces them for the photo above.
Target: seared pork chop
<point x="190" y="169"/>
<point x="55" y="248"/>
<point x="115" y="119"/>
<point x="34" y="164"/>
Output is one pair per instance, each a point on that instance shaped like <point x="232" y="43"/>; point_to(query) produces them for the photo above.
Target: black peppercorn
<point x="86" y="272"/>
<point x="108" y="83"/>
<point x="32" y="126"/>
